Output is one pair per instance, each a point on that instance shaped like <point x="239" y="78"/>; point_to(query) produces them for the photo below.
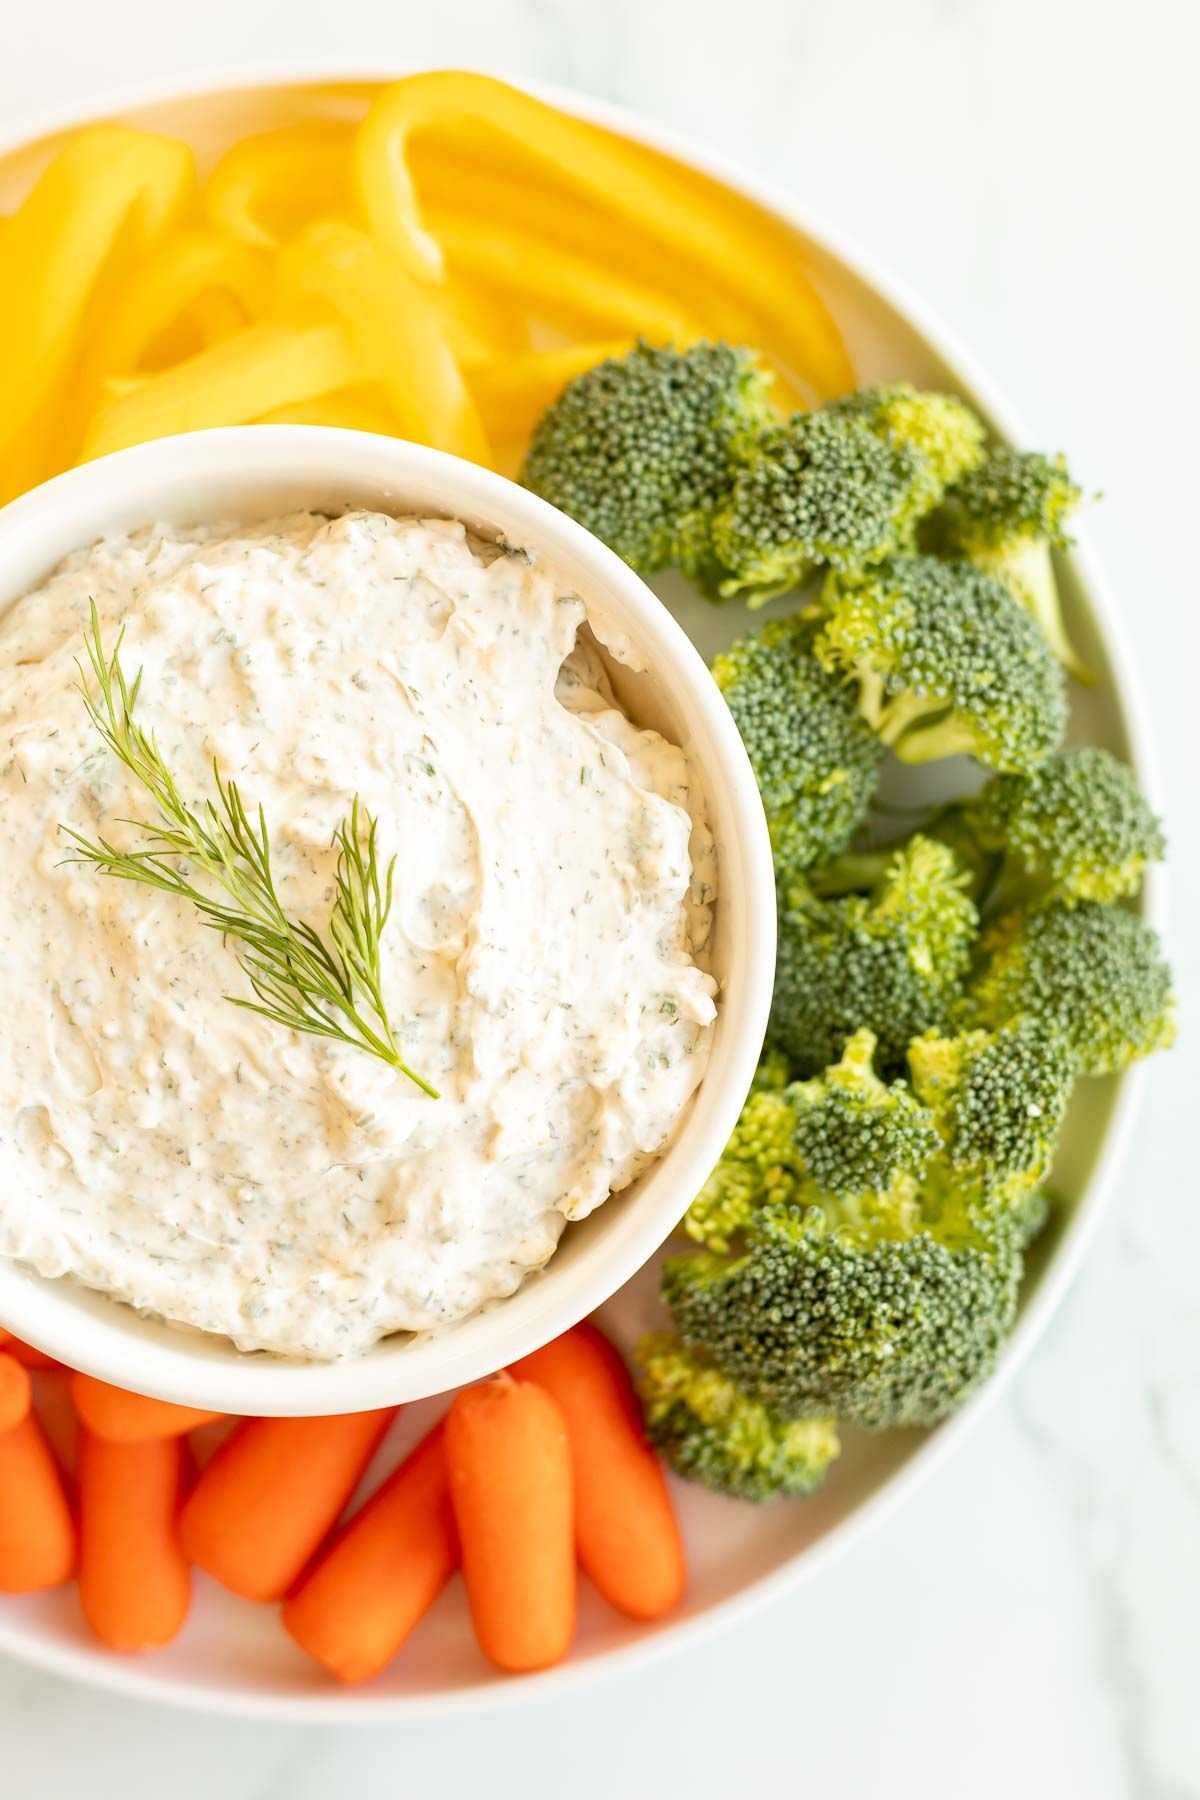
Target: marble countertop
<point x="1030" y="1622"/>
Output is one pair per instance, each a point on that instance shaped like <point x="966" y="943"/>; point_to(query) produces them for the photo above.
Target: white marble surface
<point x="1031" y="1622"/>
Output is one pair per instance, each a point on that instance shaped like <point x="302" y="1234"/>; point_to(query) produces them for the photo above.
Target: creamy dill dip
<point x="541" y="965"/>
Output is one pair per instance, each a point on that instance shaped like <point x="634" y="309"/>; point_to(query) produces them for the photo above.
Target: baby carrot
<point x="125" y="1418"/>
<point x="16" y="1391"/>
<point x="383" y="1571"/>
<point x="510" y="1481"/>
<point x="272" y="1492"/>
<point x="134" y="1583"/>
<point x="25" y="1353"/>
<point x="626" y="1533"/>
<point x="37" y="1533"/>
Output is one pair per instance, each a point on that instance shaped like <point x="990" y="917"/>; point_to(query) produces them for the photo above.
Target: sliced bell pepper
<point x="575" y="293"/>
<point x="695" y="223"/>
<point x="266" y="366"/>
<point x="480" y="322"/>
<point x="108" y="194"/>
<point x="396" y="329"/>
<point x="454" y="182"/>
<point x="194" y="277"/>
<point x="514" y="391"/>
<point x="265" y="188"/>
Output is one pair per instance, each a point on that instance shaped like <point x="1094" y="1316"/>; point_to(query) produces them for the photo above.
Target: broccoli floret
<point x="1076" y="828"/>
<point x="709" y="1431"/>
<point x="940" y="427"/>
<point x="642" y="447"/>
<point x="815" y="760"/>
<point x="857" y="871"/>
<point x="999" y="1099"/>
<point x="772" y="1071"/>
<point x="846" y="1133"/>
<point x="759" y="1162"/>
<point x="875" y="1320"/>
<point x="856" y="1137"/>
<point x="1096" y="973"/>
<point x="947" y="662"/>
<point x="822" y="489"/>
<point x="1007" y="515"/>
<point x="892" y="962"/>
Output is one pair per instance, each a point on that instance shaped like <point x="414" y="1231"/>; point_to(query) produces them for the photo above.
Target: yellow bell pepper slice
<point x="264" y="367"/>
<point x="694" y="222"/>
<point x="354" y="409"/>
<point x="266" y="187"/>
<point x="455" y="183"/>
<point x="577" y="294"/>
<point x="193" y="277"/>
<point x="514" y="391"/>
<point x="107" y="195"/>
<point x="480" y="322"/>
<point x="216" y="314"/>
<point x="396" y="329"/>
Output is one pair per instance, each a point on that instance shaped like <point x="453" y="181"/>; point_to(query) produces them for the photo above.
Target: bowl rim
<point x="328" y="463"/>
<point x="100" y="1669"/>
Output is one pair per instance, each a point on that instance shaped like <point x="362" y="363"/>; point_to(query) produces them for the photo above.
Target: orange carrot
<point x="270" y="1495"/>
<point x="134" y="1582"/>
<point x="25" y="1353"/>
<point x="125" y="1418"/>
<point x="626" y="1532"/>
<point x="383" y="1572"/>
<point x="510" y="1481"/>
<point x="16" y="1391"/>
<point x="37" y="1533"/>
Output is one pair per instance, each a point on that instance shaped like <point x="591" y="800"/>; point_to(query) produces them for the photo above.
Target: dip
<point x="553" y="885"/>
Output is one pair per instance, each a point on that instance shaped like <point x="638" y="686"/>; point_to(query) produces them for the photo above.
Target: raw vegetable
<point x="27" y="1354"/>
<point x="846" y="1132"/>
<point x="134" y="1582"/>
<point x="307" y="266"/>
<point x="264" y="187"/>
<point x="37" y="1532"/>
<point x="1074" y="829"/>
<point x="107" y="195"/>
<point x="383" y="1571"/>
<point x="999" y="1099"/>
<point x="274" y="1490"/>
<point x="396" y="331"/>
<point x="124" y="1418"/>
<point x="841" y="488"/>
<point x="815" y="759"/>
<point x="698" y="230"/>
<point x="711" y="1432"/>
<point x="947" y="662"/>
<point x="1007" y="514"/>
<point x="880" y="1313"/>
<point x="16" y="1391"/>
<point x="893" y="962"/>
<point x="192" y="289"/>
<point x="231" y="383"/>
<point x="1097" y="974"/>
<point x="626" y="1533"/>
<point x="640" y="448"/>
<point x="511" y="1484"/>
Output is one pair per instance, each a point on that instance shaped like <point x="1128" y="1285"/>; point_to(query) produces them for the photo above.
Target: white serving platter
<point x="233" y="1657"/>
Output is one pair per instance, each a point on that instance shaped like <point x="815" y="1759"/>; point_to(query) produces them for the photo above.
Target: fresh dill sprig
<point x="299" y="980"/>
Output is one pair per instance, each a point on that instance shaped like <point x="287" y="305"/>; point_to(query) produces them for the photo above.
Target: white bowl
<point x="254" y="472"/>
<point x="233" y="1658"/>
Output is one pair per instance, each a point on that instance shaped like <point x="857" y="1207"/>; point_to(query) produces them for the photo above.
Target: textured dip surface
<point x="553" y="886"/>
